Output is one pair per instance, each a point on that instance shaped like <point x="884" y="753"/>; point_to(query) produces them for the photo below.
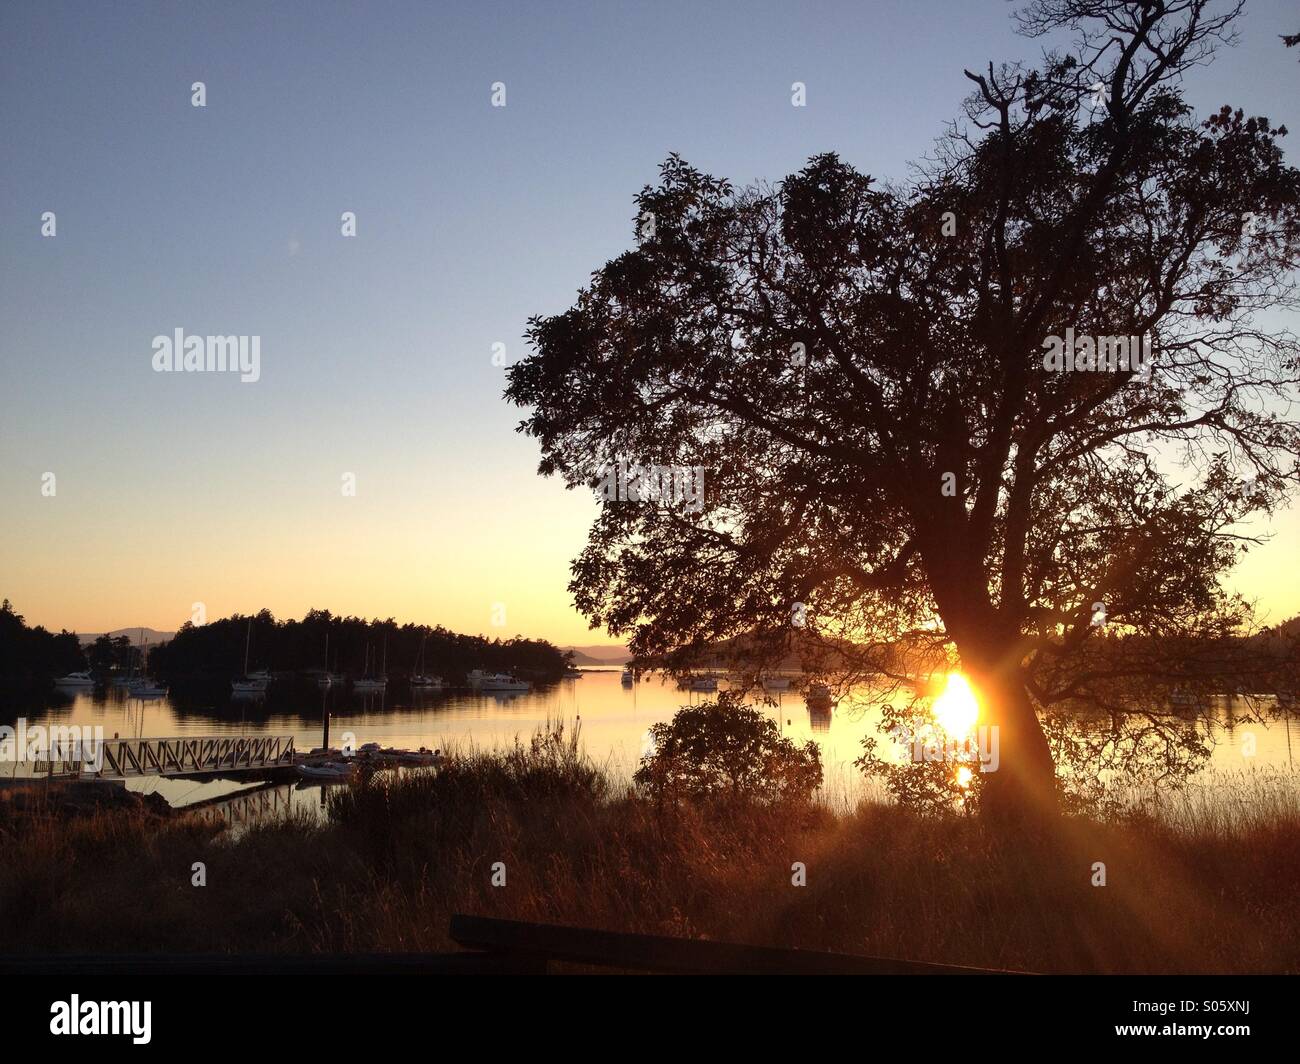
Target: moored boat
<point x="328" y="770"/>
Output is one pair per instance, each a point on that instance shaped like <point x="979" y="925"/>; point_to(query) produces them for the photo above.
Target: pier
<point x="193" y="755"/>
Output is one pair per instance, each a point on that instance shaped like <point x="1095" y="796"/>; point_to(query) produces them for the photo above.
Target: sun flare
<point x="957" y="709"/>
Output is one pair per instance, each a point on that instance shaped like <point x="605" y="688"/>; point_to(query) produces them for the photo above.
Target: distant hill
<point x="599" y="655"/>
<point x="150" y="635"/>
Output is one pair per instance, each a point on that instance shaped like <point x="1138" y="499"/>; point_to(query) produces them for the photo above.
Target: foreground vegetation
<point x="1217" y="893"/>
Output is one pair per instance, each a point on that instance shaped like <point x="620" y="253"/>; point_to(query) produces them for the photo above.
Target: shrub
<point x="724" y="749"/>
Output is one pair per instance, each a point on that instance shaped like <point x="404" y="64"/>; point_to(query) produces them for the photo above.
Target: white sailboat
<point x="421" y="682"/>
<point x="369" y="682"/>
<point x="142" y="686"/>
<point x="250" y="684"/>
<point x="326" y="679"/>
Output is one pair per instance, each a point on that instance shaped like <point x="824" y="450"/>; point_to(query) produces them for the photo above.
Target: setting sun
<point x="956" y="710"/>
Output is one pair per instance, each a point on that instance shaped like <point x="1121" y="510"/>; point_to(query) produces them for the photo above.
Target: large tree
<point x="859" y="370"/>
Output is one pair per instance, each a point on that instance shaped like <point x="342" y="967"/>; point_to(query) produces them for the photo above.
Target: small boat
<point x="370" y="682"/>
<point x="422" y="756"/>
<point x="628" y="678"/>
<point x="251" y="683"/>
<point x="819" y="694"/>
<point x="145" y="688"/>
<point x="704" y="683"/>
<point x="776" y="683"/>
<point x="326" y="679"/>
<point x="497" y="681"/>
<point x="328" y="770"/>
<point x="75" y="679"/>
<point x="420" y="681"/>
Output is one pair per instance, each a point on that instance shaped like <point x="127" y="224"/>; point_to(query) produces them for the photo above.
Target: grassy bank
<point x="1217" y="893"/>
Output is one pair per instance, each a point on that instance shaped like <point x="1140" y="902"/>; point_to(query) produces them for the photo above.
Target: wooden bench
<point x="544" y="943"/>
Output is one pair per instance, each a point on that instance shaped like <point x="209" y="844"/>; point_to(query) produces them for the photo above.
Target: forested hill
<point x="216" y="649"/>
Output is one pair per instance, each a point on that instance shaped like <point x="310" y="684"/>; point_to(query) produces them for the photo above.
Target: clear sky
<point x="376" y="351"/>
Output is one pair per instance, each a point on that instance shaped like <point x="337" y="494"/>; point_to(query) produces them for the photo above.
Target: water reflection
<point x="614" y="719"/>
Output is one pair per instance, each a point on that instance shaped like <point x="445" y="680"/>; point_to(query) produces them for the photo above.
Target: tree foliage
<point x="727" y="750"/>
<point x="858" y="367"/>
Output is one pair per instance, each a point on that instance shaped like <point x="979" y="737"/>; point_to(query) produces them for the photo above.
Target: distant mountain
<point x="150" y="635"/>
<point x="599" y="655"/>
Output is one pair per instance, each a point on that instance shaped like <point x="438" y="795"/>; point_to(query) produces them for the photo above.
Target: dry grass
<point x="1213" y="890"/>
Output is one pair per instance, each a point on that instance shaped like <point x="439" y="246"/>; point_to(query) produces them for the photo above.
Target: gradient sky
<point x="376" y="351"/>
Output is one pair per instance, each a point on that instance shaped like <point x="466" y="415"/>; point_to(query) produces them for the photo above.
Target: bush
<point x="724" y="749"/>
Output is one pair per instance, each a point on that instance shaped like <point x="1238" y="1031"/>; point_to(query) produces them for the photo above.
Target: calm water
<point x="613" y="720"/>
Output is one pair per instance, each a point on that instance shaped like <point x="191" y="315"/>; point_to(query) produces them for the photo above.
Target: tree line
<point x="216" y="650"/>
<point x="32" y="657"/>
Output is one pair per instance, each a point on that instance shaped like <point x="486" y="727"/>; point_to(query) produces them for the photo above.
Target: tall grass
<point x="1207" y="891"/>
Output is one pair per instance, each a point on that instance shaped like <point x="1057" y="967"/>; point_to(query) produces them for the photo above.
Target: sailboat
<point x="250" y="685"/>
<point x="326" y="679"/>
<point x="142" y="686"/>
<point x="369" y="682"/>
<point x="420" y="681"/>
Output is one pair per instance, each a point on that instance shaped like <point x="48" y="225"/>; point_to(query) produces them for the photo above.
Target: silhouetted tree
<point x="31" y="657"/>
<point x="727" y="750"/>
<point x="860" y="371"/>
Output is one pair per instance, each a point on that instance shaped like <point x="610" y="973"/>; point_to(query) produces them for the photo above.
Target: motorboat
<point x="328" y="770"/>
<point x="628" y="678"/>
<point x="776" y="683"/>
<point x="75" y="679"/>
<point x="497" y="681"/>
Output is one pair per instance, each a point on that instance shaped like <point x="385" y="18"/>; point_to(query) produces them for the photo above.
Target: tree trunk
<point x="1021" y="792"/>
